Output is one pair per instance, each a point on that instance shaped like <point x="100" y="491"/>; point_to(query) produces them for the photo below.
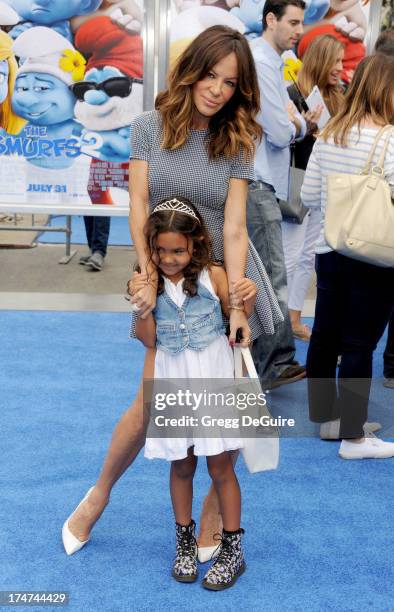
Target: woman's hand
<point x="244" y="292"/>
<point x="312" y="118"/>
<point x="137" y="282"/>
<point x="243" y="289"/>
<point x="238" y="320"/>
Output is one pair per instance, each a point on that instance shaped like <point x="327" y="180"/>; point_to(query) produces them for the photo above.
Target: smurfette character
<point x="55" y="15"/>
<point x="9" y="120"/>
<point x="42" y="95"/>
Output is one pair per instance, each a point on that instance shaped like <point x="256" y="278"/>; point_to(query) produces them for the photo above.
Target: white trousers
<point x="299" y="249"/>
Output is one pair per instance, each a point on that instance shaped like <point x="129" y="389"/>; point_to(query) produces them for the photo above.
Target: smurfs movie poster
<point x="71" y="82"/>
<point x="347" y="20"/>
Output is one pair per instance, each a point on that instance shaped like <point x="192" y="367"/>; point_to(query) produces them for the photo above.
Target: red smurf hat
<point x="106" y="44"/>
<point x="354" y="51"/>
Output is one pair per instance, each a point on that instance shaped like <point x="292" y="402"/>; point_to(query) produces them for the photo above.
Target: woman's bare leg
<point x="127" y="440"/>
<point x="211" y="519"/>
<point x="301" y="331"/>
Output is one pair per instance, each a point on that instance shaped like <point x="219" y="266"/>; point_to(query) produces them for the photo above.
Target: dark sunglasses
<point x="116" y="86"/>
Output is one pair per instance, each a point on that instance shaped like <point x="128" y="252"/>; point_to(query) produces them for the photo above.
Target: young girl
<point x="187" y="328"/>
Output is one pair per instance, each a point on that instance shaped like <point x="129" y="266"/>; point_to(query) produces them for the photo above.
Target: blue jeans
<point x="97" y="233"/>
<point x="271" y="354"/>
<point x="388" y="357"/>
<point x="353" y="306"/>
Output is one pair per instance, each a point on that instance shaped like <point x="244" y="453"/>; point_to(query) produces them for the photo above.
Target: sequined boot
<point x="185" y="562"/>
<point x="228" y="565"/>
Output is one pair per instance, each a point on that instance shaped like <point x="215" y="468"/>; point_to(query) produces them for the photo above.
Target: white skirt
<point x="213" y="362"/>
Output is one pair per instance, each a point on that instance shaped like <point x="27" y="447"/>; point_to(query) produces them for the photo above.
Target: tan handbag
<point x="359" y="219"/>
<point x="260" y="452"/>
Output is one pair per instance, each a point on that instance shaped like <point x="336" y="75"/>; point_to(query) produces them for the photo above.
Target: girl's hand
<point x="238" y="320"/>
<point x="143" y="293"/>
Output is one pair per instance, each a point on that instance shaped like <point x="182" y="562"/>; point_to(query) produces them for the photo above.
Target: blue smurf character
<point x="43" y="98"/>
<point x="51" y="13"/>
<point x="251" y="13"/>
<point x="110" y="96"/>
<point x="315" y="10"/>
<point x="104" y="110"/>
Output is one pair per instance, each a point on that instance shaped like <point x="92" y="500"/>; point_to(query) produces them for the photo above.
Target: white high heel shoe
<point x="206" y="553"/>
<point x="70" y="542"/>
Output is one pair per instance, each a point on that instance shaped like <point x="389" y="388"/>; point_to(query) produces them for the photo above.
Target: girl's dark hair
<point x="174" y="221"/>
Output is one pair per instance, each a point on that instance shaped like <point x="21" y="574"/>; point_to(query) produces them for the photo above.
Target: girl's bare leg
<point x="211" y="518"/>
<point x="181" y="487"/>
<point x="127" y="440"/>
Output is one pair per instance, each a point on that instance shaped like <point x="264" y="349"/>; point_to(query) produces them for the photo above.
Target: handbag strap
<point x="378" y="167"/>
<point x="389" y="132"/>
<point x="241" y="353"/>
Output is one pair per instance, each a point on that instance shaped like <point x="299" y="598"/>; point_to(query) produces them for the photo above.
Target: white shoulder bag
<point x="259" y="453"/>
<point x="359" y="220"/>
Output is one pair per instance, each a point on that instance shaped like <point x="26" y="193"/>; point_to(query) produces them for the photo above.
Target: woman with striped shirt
<point x="354" y="298"/>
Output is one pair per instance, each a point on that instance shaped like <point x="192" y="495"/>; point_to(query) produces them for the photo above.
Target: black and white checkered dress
<point x="188" y="172"/>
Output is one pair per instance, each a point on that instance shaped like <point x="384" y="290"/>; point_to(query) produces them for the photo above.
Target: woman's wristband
<point x="233" y="307"/>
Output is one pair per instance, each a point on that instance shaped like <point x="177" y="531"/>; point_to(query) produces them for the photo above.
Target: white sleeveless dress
<point x="214" y="361"/>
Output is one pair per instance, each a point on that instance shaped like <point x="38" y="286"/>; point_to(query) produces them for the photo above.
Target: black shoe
<point x="291" y="374"/>
<point x="185" y="562"/>
<point x="228" y="565"/>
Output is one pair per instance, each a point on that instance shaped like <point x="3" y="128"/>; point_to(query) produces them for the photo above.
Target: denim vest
<point x="194" y="325"/>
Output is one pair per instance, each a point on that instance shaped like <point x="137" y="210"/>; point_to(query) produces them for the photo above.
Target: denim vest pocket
<point x="203" y="321"/>
<point x="164" y="326"/>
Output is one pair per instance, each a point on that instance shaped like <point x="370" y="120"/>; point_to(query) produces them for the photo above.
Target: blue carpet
<point x="318" y="531"/>
<point x="119" y="234"/>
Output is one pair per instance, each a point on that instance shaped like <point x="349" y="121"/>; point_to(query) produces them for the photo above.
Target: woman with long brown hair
<point x="198" y="143"/>
<point x="354" y="298"/>
<point x="322" y="66"/>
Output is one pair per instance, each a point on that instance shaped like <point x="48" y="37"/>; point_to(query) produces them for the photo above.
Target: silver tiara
<point x="178" y="206"/>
